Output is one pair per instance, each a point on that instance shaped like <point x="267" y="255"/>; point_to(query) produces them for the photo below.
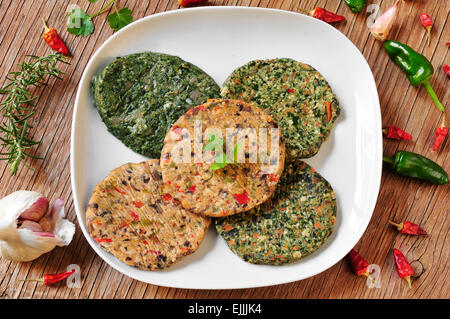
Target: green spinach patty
<point x="295" y="94"/>
<point x="141" y="95"/>
<point x="292" y="224"/>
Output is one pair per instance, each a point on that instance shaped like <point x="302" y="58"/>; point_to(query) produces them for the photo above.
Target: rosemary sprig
<point x="18" y="105"/>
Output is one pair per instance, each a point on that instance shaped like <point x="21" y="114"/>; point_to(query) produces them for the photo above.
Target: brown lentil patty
<point x="295" y="94"/>
<point x="131" y="216"/>
<point x="234" y="188"/>
<point x="296" y="221"/>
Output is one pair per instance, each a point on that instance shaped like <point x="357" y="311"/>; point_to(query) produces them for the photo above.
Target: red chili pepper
<point x="324" y="15"/>
<point x="427" y="23"/>
<point x="404" y="269"/>
<point x="53" y="40"/>
<point x="359" y="264"/>
<point x="396" y="133"/>
<point x="448" y="44"/>
<point x="48" y="280"/>
<point x="446" y="69"/>
<point x="441" y="133"/>
<point x="290" y="90"/>
<point x="185" y="3"/>
<point x="409" y="228"/>
<point x="192" y="188"/>
<point x="242" y="198"/>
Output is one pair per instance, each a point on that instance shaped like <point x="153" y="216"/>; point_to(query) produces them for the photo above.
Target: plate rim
<point x="74" y="130"/>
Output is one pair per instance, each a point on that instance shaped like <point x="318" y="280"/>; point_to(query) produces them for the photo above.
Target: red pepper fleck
<point x="53" y="40"/>
<point x="118" y="190"/>
<point x="409" y="228"/>
<point x="103" y="240"/>
<point x="324" y="15"/>
<point x="177" y="189"/>
<point x="192" y="188"/>
<point x="137" y="204"/>
<point x="196" y="174"/>
<point x="51" y="279"/>
<point x="135" y="216"/>
<point x="359" y="264"/>
<point x="427" y="23"/>
<point x="242" y="198"/>
<point x="396" y="133"/>
<point x="274" y="177"/>
<point x="290" y="90"/>
<point x="448" y="44"/>
<point x="166" y="197"/>
<point x="177" y="130"/>
<point x="404" y="269"/>
<point x="440" y="134"/>
<point x="446" y="69"/>
<point x="329" y="113"/>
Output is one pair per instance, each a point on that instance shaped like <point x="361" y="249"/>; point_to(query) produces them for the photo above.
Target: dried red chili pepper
<point x="427" y="23"/>
<point x="440" y="134"/>
<point x="324" y="15"/>
<point x="396" y="133"/>
<point x="404" y="269"/>
<point x="185" y="3"/>
<point x="53" y="40"/>
<point x="48" y="280"/>
<point x="446" y="69"/>
<point x="409" y="228"/>
<point x="359" y="264"/>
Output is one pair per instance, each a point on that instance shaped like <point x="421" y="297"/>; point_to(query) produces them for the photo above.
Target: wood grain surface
<point x="399" y="198"/>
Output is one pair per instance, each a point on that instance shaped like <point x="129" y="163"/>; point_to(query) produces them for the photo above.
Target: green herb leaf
<point x="92" y="1"/>
<point x="119" y="19"/>
<point x="79" y="23"/>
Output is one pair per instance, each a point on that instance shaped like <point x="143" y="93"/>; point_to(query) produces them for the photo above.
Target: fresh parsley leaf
<point x="79" y="23"/>
<point x="119" y="19"/>
<point x="92" y="1"/>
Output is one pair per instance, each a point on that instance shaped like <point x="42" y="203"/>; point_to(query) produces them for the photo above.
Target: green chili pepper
<point x="417" y="166"/>
<point x="356" y="5"/>
<point x="417" y="67"/>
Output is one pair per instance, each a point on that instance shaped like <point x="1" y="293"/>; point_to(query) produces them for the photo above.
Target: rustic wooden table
<point x="399" y="198"/>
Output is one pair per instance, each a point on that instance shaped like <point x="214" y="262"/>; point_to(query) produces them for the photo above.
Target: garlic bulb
<point x="383" y="24"/>
<point x="28" y="228"/>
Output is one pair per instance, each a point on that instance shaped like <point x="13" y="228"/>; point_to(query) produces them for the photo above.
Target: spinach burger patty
<point x="296" y="221"/>
<point x="295" y="94"/>
<point x="141" y="95"/>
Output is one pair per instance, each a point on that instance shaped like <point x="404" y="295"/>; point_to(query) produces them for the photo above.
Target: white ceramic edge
<point x="97" y="249"/>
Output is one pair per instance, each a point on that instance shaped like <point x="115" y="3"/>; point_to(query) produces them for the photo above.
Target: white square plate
<point x="218" y="40"/>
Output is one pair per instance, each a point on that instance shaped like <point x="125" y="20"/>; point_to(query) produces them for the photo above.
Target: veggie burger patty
<point x="295" y="94"/>
<point x="130" y="216"/>
<point x="236" y="187"/>
<point x="139" y="97"/>
<point x="296" y="221"/>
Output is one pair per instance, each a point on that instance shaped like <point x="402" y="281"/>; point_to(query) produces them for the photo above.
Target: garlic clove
<point x="37" y="210"/>
<point x="44" y="234"/>
<point x="48" y="221"/>
<point x="33" y="226"/>
<point x="383" y="24"/>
